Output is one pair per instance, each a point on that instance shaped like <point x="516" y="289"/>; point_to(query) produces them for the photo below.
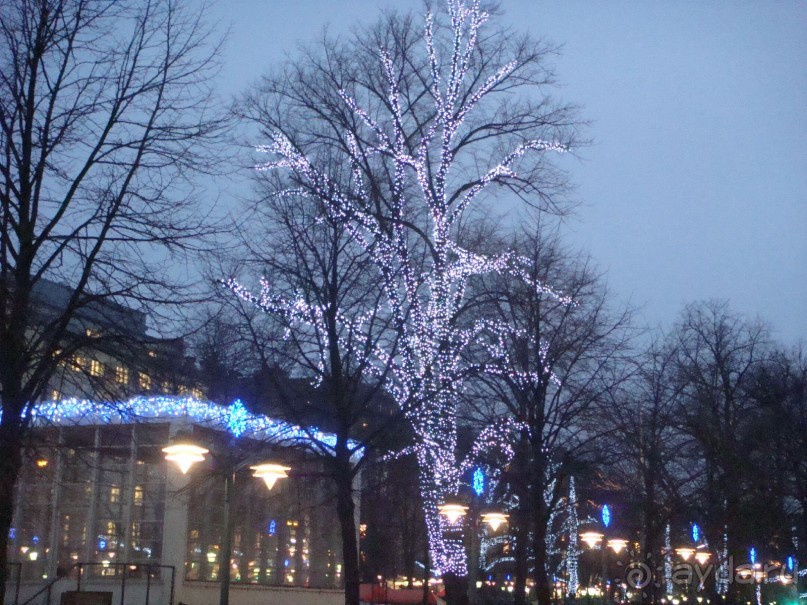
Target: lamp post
<point x="185" y="454"/>
<point x="595" y="538"/>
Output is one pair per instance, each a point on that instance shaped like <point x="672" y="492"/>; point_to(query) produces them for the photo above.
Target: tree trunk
<point x="523" y="518"/>
<point x="542" y="587"/>
<point x="456" y="589"/>
<point x="522" y="533"/>
<point x="346" y="510"/>
<point x="10" y="465"/>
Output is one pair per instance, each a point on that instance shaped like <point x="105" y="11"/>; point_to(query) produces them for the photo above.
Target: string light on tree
<point x="424" y="301"/>
<point x="573" y="550"/>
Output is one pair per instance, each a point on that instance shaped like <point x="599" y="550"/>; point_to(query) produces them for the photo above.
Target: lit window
<point x="121" y="375"/>
<point x="152" y="353"/>
<point x="79" y="363"/>
<point x="96" y="368"/>
<point x="114" y="494"/>
<point x="55" y="394"/>
<point x="144" y="380"/>
<point x="91" y="333"/>
<point x="138" y="495"/>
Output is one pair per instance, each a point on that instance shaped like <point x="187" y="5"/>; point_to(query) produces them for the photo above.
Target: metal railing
<point x="17" y="579"/>
<point x="77" y="572"/>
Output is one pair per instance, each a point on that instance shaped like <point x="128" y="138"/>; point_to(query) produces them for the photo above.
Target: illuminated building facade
<point x="97" y="494"/>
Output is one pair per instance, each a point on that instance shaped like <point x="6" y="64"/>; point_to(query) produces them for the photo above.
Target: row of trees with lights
<point x="706" y="431"/>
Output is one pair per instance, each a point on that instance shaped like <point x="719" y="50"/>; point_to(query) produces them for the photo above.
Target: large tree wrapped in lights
<point x="432" y="119"/>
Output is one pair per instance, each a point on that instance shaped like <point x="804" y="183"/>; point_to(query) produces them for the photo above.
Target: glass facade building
<point x="98" y="494"/>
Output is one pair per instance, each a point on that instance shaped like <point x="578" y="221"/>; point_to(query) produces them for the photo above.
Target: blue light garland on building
<point x="696" y="532"/>
<point x="234" y="419"/>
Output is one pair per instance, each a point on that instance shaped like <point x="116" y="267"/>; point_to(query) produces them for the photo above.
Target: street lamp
<point x="453" y="512"/>
<point x="702" y="557"/>
<point x="184" y="454"/>
<point x="617" y="545"/>
<point x="592" y="538"/>
<point x="494" y="520"/>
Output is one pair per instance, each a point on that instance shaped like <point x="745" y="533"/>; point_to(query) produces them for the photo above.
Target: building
<point x="108" y="352"/>
<point x="99" y="505"/>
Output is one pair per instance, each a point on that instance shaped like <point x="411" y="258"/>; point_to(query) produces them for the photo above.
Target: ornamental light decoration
<point x="702" y="557"/>
<point x="606" y="515"/>
<point x="423" y="304"/>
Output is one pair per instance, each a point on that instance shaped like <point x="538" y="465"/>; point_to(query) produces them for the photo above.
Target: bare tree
<point x="104" y="113"/>
<point x="430" y="120"/>
<point x="320" y="290"/>
<point x="554" y="357"/>
<point x="652" y="457"/>
<point x="718" y="354"/>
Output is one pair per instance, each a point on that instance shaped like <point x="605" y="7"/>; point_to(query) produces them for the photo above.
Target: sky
<point x="695" y="185"/>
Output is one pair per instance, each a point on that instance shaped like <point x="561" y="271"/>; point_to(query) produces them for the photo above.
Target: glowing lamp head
<point x="685" y="552"/>
<point x="270" y="472"/>
<point x="494" y="520"/>
<point x="184" y="455"/>
<point x="453" y="512"/>
<point x="592" y="538"/>
<point x="702" y="556"/>
<point x="617" y="545"/>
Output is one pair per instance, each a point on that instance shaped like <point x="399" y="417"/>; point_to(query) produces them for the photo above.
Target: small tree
<point x="719" y="353"/>
<point x="429" y="122"/>
<point x="552" y="360"/>
<point x="318" y="290"/>
<point x="104" y="111"/>
<point x="652" y="458"/>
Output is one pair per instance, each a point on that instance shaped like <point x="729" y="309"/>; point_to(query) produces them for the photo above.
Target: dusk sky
<point x="696" y="184"/>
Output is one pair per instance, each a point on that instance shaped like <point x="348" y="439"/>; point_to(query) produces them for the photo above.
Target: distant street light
<point x="617" y="545"/>
<point x="592" y="538"/>
<point x="494" y="520"/>
<point x="453" y="512"/>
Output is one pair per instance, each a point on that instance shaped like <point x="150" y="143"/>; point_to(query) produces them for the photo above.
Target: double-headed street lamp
<point x="594" y="539"/>
<point x="184" y="453"/>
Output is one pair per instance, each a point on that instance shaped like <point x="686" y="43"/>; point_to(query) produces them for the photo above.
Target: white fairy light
<point x="428" y="369"/>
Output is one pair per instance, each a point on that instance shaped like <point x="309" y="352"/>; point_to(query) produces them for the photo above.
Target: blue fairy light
<point x="479" y="481"/>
